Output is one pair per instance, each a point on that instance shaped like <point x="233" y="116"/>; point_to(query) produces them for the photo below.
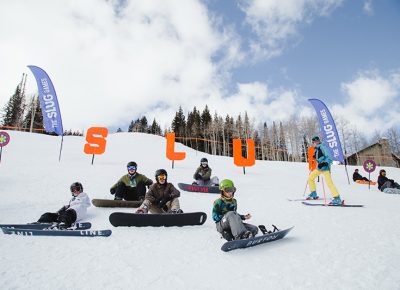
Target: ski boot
<point x="336" y="201"/>
<point x="312" y="195"/>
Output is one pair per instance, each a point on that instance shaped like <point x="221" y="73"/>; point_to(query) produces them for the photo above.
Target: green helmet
<point x="226" y="183"/>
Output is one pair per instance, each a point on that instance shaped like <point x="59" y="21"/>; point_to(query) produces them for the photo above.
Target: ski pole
<point x="304" y="193"/>
<point x="323" y="189"/>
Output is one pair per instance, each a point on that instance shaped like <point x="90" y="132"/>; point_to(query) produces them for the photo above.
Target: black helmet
<point x="315" y="138"/>
<point x="161" y="172"/>
<point x="131" y="163"/>
<point x="203" y="160"/>
<point x="382" y="170"/>
<point x="76" y="186"/>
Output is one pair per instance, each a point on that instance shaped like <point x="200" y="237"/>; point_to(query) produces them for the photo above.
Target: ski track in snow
<point x="329" y="248"/>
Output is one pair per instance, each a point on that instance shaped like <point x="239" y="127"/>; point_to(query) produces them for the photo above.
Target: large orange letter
<point x="96" y="140"/>
<point x="171" y="154"/>
<point x="238" y="158"/>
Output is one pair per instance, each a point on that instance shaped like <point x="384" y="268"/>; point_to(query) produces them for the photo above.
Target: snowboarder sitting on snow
<point x="358" y="176"/>
<point x="131" y="186"/>
<point x="73" y="212"/>
<point x="228" y="222"/>
<point x="384" y="182"/>
<point x="203" y="175"/>
<point x="162" y="197"/>
<point x="324" y="161"/>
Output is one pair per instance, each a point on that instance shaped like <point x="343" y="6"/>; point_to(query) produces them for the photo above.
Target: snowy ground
<point x="329" y="248"/>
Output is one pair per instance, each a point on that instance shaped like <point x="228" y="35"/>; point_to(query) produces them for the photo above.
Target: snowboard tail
<point x="198" y="188"/>
<point x="116" y="203"/>
<point x="121" y="219"/>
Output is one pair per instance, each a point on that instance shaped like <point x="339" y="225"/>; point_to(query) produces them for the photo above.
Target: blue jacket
<point x="322" y="155"/>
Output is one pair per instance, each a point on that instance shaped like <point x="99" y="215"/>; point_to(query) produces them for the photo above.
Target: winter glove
<point x="141" y="210"/>
<point x="163" y="201"/>
<point x="198" y="176"/>
<point x="63" y="209"/>
<point x="113" y="190"/>
<point x="322" y="164"/>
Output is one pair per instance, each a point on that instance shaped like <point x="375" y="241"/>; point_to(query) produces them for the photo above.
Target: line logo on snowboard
<point x="263" y="240"/>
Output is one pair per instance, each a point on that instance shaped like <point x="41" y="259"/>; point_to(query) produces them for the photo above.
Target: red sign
<point x="369" y="166"/>
<point x="4" y="138"/>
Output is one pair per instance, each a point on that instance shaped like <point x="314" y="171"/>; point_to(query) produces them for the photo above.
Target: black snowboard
<point x="123" y="219"/>
<point x="340" y="205"/>
<point x="115" y="203"/>
<point x="258" y="240"/>
<point x="198" y="188"/>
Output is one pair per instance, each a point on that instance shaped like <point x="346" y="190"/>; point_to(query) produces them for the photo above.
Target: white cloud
<point x="367" y="8"/>
<point x="372" y="102"/>
<point x="274" y="22"/>
<point x="110" y="68"/>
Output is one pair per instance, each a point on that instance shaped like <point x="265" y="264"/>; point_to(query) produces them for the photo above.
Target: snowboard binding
<point x="264" y="230"/>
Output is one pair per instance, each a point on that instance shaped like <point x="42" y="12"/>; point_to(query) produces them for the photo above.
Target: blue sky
<point x="265" y="57"/>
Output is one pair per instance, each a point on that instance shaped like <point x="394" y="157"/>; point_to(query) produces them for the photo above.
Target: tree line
<point x="211" y="133"/>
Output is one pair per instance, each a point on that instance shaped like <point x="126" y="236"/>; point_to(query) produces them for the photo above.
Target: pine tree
<point x="14" y="110"/>
<point x="179" y="123"/>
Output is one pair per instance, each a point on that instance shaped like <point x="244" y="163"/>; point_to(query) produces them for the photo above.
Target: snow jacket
<point x="204" y="172"/>
<point x="322" y="155"/>
<point x="132" y="181"/>
<point x="79" y="204"/>
<point x="382" y="180"/>
<point x="357" y="176"/>
<point x="158" y="192"/>
<point x="222" y="206"/>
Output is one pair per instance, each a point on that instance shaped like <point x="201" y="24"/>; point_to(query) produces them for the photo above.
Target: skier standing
<point x="324" y="161"/>
<point x="162" y="197"/>
<point x="73" y="212"/>
<point x="228" y="222"/>
<point x="131" y="186"/>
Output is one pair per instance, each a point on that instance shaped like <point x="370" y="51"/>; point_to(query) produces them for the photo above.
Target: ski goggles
<point x="162" y="177"/>
<point x="131" y="168"/>
<point x="230" y="189"/>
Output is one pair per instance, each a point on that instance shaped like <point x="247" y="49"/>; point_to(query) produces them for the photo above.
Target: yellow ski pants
<point x="328" y="179"/>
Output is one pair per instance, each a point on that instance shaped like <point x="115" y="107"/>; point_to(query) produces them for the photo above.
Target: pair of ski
<point x="311" y="202"/>
<point x="48" y="229"/>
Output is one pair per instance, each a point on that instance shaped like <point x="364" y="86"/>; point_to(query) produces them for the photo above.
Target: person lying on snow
<point x="358" y="176"/>
<point x="386" y="183"/>
<point x="228" y="222"/>
<point x="74" y="211"/>
<point x="162" y="197"/>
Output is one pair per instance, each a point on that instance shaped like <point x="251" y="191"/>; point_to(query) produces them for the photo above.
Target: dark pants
<point x="66" y="216"/>
<point x="130" y="193"/>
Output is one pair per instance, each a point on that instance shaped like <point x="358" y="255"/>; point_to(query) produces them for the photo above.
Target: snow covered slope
<point x="329" y="248"/>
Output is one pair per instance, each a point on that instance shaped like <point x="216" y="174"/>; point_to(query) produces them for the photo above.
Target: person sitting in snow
<point x="228" y="222"/>
<point x="131" y="186"/>
<point x="358" y="176"/>
<point x="386" y="183"/>
<point x="324" y="161"/>
<point x="162" y="197"/>
<point x="74" y="211"/>
<point x="202" y="175"/>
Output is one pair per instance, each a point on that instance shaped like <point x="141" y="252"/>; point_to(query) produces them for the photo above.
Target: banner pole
<point x="1" y="152"/>
<point x="62" y="140"/>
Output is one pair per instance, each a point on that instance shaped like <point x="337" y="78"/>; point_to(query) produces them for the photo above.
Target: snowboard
<point x="41" y="226"/>
<point x="115" y="203"/>
<point x="198" y="188"/>
<point x="56" y="232"/>
<point x="365" y="182"/>
<point x="122" y="219"/>
<point x="341" y="205"/>
<point x="255" y="241"/>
